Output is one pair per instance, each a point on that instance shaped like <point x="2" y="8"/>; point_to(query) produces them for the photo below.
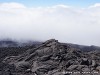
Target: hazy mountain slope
<point x="12" y="43"/>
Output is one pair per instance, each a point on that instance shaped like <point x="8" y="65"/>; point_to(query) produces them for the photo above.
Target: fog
<point x="62" y="22"/>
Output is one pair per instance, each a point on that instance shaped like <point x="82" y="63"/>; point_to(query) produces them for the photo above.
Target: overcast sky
<point x="66" y="21"/>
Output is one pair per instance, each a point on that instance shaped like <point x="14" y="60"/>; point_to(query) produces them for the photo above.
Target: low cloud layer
<point x="62" y="22"/>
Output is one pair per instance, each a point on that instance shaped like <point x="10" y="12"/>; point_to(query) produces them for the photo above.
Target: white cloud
<point x="11" y="5"/>
<point x="95" y="5"/>
<point x="65" y="23"/>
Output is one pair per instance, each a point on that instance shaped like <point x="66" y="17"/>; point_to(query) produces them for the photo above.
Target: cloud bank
<point x="62" y="22"/>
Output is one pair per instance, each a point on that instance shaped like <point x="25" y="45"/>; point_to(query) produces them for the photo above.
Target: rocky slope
<point x="52" y="58"/>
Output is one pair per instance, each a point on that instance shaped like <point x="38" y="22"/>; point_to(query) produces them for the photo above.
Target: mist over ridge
<point x="62" y="22"/>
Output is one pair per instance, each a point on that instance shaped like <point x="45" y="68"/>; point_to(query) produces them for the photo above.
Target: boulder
<point x="22" y="65"/>
<point x="98" y="68"/>
<point x="85" y="61"/>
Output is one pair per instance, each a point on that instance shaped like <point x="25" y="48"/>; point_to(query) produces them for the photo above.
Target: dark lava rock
<point x="54" y="58"/>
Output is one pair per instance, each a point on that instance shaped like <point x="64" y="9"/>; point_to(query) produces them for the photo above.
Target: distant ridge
<point x="12" y="43"/>
<point x="15" y="43"/>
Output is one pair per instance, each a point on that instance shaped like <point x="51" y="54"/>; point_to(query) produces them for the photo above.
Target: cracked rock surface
<point x="53" y="58"/>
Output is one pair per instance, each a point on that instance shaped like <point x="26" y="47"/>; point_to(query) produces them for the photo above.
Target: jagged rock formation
<point x="53" y="58"/>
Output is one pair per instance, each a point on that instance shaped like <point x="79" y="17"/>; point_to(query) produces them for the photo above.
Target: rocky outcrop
<point x="54" y="58"/>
